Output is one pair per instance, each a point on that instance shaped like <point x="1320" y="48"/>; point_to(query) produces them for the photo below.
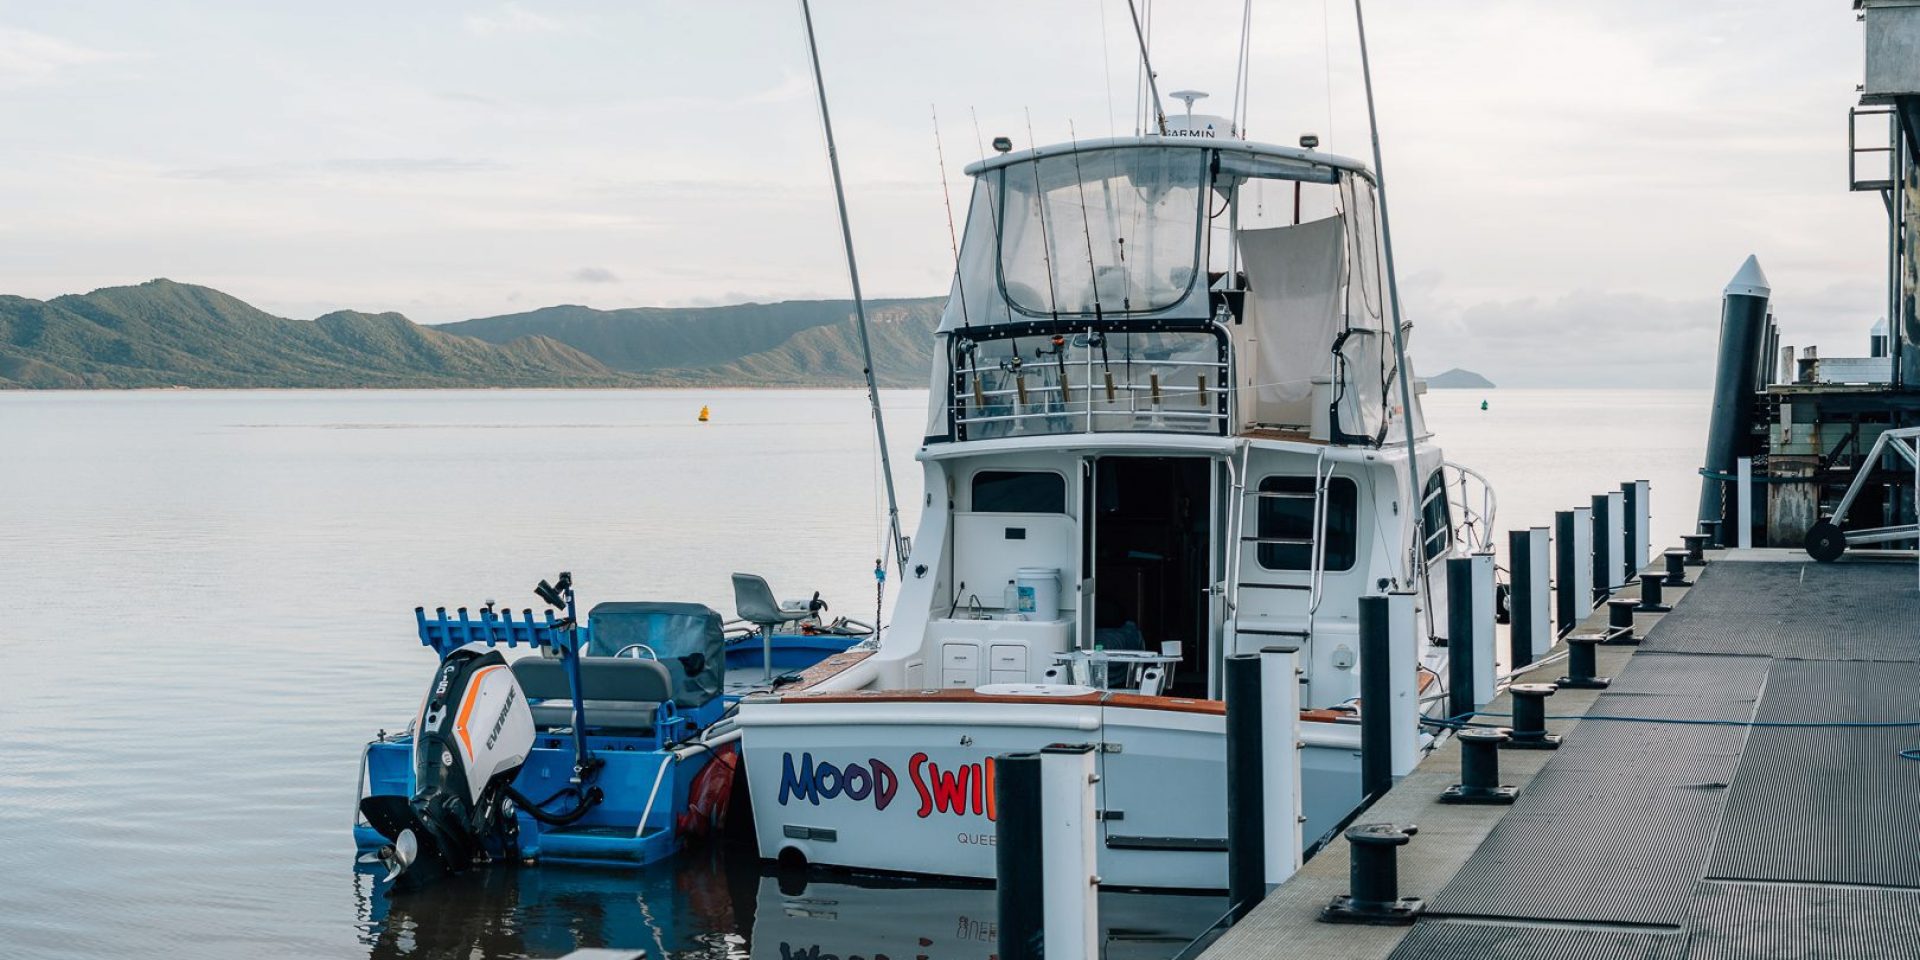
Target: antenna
<point x="1414" y="505"/>
<point x="1146" y="63"/>
<point x="859" y="304"/>
<point x="953" y="239"/>
<point x="1188" y="97"/>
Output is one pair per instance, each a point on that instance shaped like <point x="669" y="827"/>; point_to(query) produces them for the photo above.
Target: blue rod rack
<point x="445" y="634"/>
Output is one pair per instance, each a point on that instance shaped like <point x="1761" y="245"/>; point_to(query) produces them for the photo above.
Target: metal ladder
<point x="1316" y="544"/>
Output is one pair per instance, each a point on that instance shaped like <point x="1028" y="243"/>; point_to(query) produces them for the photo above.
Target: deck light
<point x="1308" y="141"/>
<point x="1003" y="144"/>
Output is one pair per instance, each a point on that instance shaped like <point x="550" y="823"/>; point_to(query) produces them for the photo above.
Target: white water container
<point x="1320" y="427"/>
<point x="1039" y="592"/>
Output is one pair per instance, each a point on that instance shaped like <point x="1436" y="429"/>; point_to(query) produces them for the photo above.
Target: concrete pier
<point x="1713" y="824"/>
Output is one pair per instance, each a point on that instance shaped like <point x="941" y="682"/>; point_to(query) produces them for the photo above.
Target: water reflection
<point x="721" y="905"/>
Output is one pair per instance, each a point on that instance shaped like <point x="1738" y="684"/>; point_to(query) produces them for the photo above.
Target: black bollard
<point x="1020" y="886"/>
<point x="1480" y="769"/>
<point x="1460" y="652"/>
<point x="1713" y="530"/>
<point x="1650" y="600"/>
<point x="1530" y="717"/>
<point x="1373" y="894"/>
<point x="1677" y="568"/>
<point x="1246" y="792"/>
<point x="1581" y="663"/>
<point x="1696" y="548"/>
<point x="1376" y="686"/>
<point x="1620" y="621"/>
<point x="1520" y="599"/>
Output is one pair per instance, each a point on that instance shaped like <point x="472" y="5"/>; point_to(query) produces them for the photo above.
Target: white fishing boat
<point x="1170" y="420"/>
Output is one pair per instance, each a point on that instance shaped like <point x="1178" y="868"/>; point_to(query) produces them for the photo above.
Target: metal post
<point x="1599" y="570"/>
<point x="1486" y="672"/>
<point x="1519" y="599"/>
<point x="1280" y="741"/>
<point x="1376" y="687"/>
<point x="1632" y="558"/>
<point x="1070" y="916"/>
<point x="1461" y="671"/>
<point x="1743" y="501"/>
<point x="1743" y="314"/>
<point x="1583" y="557"/>
<point x="1567" y="609"/>
<point x="1246" y="834"/>
<point x="1019" y="861"/>
<point x="1403" y="676"/>
<point x="1616" y="540"/>
<point x="1541" y="541"/>
<point x="1642" y="526"/>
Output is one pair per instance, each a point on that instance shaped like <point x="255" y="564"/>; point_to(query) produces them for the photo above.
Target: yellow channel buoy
<point x="703" y="414"/>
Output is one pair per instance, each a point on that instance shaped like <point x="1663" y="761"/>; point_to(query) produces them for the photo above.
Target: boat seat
<point x="617" y="693"/>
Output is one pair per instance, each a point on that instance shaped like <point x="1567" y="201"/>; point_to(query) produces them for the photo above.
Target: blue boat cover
<point x="686" y="637"/>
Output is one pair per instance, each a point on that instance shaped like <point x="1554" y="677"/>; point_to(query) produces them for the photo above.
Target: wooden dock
<point x="1738" y="792"/>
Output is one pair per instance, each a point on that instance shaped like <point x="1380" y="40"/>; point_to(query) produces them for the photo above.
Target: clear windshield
<point x="1102" y="231"/>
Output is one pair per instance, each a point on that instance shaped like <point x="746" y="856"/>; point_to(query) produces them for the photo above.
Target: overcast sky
<point x="1572" y="183"/>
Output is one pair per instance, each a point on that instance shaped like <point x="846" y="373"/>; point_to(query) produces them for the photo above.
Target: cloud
<point x="1583" y="339"/>
<point x="339" y="166"/>
<point x="510" y="18"/>
<point x="27" y="57"/>
<point x="595" y="275"/>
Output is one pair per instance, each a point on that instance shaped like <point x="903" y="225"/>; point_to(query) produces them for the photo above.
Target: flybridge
<point x="1178" y="283"/>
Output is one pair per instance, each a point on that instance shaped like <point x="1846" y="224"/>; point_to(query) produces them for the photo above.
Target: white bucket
<point x="1039" y="592"/>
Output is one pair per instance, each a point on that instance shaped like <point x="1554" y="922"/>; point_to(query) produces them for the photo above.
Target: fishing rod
<point x="1393" y="298"/>
<point x="859" y="304"/>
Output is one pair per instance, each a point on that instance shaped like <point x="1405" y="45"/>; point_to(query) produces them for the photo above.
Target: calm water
<point x="208" y="612"/>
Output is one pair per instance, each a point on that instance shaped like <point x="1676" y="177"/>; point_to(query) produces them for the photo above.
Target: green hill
<point x="162" y="334"/>
<point x="795" y="343"/>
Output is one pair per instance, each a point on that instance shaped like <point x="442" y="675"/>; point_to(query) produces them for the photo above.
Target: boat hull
<point x="905" y="784"/>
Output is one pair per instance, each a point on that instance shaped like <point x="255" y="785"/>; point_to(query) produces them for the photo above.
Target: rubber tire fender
<point x="1825" y="542"/>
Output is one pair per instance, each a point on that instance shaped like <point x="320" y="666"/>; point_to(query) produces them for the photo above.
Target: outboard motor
<point x="473" y="734"/>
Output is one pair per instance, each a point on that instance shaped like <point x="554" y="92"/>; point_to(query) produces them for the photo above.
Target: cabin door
<point x="1148" y="546"/>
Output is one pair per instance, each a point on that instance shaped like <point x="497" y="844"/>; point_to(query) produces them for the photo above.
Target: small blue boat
<point x="609" y="740"/>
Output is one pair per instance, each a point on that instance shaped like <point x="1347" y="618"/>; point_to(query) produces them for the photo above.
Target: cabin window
<point x="1101" y="232"/>
<point x="1019" y="491"/>
<point x="1288" y="515"/>
<point x="1436" y="515"/>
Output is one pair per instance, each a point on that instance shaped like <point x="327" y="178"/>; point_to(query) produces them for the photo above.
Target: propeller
<point x="399" y="855"/>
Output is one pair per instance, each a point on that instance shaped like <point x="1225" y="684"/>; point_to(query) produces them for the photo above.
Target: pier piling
<point x="1602" y="525"/>
<point x="1246" y="801"/>
<point x="1071" y="915"/>
<point x="1019" y="862"/>
<point x="1280" y="760"/>
<point x="1462" y="682"/>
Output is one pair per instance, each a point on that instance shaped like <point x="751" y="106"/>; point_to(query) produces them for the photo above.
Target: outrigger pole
<point x="859" y="305"/>
<point x="1415" y="506"/>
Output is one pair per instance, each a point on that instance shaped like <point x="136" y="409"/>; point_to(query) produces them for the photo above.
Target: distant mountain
<point x="795" y="343"/>
<point x="164" y="334"/>
<point x="1457" y="379"/>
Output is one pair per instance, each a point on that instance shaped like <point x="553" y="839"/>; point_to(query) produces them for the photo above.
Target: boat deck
<point x="1671" y="836"/>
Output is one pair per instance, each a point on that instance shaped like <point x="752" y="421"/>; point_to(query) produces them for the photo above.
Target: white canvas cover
<point x="1367" y="364"/>
<point x="1293" y="315"/>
